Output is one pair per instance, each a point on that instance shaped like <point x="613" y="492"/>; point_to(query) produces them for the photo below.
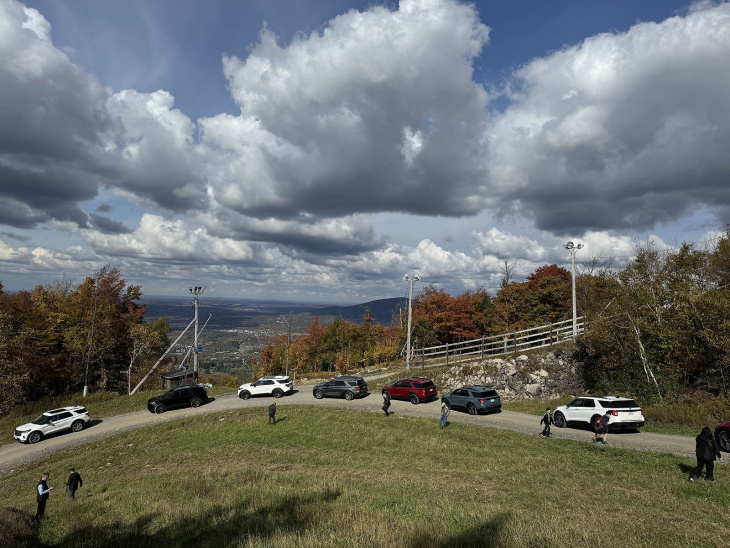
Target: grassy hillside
<point x="328" y="477"/>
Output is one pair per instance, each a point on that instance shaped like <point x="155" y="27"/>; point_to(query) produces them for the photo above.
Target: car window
<point x="575" y="403"/>
<point x="339" y="383"/>
<point x="485" y="394"/>
<point x="64" y="415"/>
<point x="40" y="420"/>
<point x="618" y="404"/>
<point x="589" y="403"/>
<point x="268" y="382"/>
<point x="427" y="384"/>
<point x="460" y="392"/>
<point x="81" y="411"/>
<point x="402" y="384"/>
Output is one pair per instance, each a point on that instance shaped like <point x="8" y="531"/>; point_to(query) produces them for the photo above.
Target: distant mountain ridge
<point x="385" y="311"/>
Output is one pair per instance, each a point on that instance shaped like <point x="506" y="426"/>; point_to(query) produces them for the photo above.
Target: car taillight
<point x="481" y="401"/>
<point x="614" y="413"/>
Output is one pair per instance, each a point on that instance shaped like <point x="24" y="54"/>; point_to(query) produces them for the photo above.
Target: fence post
<point x="514" y="337"/>
<point x="423" y="359"/>
<point x="551" y="335"/>
<point x="447" y="354"/>
<point x="482" y="349"/>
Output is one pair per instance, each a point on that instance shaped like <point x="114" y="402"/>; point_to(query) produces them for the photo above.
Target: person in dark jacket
<point x="272" y="413"/>
<point x="41" y="496"/>
<point x="73" y="483"/>
<point x="547" y="420"/>
<point x="706" y="450"/>
<point x="386" y="403"/>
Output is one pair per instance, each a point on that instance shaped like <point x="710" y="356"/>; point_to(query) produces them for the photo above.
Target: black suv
<point x="182" y="396"/>
<point x="347" y="387"/>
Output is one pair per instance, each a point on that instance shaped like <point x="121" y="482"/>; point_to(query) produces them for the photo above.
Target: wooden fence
<point x="497" y="345"/>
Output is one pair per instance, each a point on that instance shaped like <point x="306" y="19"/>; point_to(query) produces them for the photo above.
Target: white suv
<point x="623" y="412"/>
<point x="267" y="386"/>
<point x="64" y="418"/>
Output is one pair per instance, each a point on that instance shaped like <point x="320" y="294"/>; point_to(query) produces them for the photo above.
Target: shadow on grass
<point x="487" y="534"/>
<point x="17" y="528"/>
<point x="685" y="468"/>
<point x="218" y="526"/>
<point x="280" y="419"/>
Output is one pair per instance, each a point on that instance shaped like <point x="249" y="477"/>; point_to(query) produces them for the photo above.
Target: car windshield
<point x="618" y="404"/>
<point x="40" y="420"/>
<point x="485" y="394"/>
<point x="427" y="384"/>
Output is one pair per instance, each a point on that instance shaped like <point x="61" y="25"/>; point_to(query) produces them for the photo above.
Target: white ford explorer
<point x="623" y="413"/>
<point x="64" y="418"/>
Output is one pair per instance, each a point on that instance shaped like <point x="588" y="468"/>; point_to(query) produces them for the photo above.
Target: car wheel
<point x="160" y="408"/>
<point x="278" y="393"/>
<point x="723" y="440"/>
<point x="472" y="409"/>
<point x="559" y="420"/>
<point x="35" y="437"/>
<point x="195" y="402"/>
<point x="349" y="395"/>
<point x="318" y="394"/>
<point x="414" y="399"/>
<point x="594" y="423"/>
<point x="244" y="395"/>
<point x="77" y="426"/>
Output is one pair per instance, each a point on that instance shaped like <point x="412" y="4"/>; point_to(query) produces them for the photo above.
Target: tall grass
<point x="329" y="477"/>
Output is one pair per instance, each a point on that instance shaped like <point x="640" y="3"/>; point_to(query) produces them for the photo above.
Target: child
<point x="602" y="428"/>
<point x="444" y="415"/>
<point x="547" y="419"/>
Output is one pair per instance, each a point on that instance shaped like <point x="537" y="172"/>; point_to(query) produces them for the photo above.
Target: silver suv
<point x="624" y="413"/>
<point x="64" y="418"/>
<point x="275" y="386"/>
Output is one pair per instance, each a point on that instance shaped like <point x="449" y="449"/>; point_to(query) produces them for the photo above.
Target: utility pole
<point x="196" y="291"/>
<point x="572" y="248"/>
<point x="410" y="281"/>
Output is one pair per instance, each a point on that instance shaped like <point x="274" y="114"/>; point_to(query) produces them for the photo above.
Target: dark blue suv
<point x="473" y="399"/>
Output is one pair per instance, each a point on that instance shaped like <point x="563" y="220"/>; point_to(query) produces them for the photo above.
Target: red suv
<point x="415" y="389"/>
<point x="722" y="435"/>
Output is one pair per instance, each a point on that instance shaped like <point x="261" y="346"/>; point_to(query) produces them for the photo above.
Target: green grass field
<point x="329" y="477"/>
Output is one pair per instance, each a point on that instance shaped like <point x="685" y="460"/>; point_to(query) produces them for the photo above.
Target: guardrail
<point x="498" y="345"/>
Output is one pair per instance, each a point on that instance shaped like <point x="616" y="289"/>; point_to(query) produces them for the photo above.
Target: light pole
<point x="572" y="248"/>
<point x="410" y="281"/>
<point x="197" y="290"/>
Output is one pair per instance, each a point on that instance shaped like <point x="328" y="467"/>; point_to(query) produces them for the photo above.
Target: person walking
<point x="547" y="420"/>
<point x="444" y="415"/>
<point x="386" y="403"/>
<point x="602" y="427"/>
<point x="272" y="413"/>
<point x="73" y="483"/>
<point x="706" y="450"/>
<point x="42" y="493"/>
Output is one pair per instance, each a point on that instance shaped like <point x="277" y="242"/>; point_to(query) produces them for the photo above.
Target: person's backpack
<point x="599" y="424"/>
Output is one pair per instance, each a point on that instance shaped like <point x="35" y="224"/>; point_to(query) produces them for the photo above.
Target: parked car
<point x="625" y="413"/>
<point x="275" y="386"/>
<point x="415" y="389"/>
<point x="181" y="396"/>
<point x="341" y="387"/>
<point x="72" y="418"/>
<point x="473" y="399"/>
<point x="722" y="435"/>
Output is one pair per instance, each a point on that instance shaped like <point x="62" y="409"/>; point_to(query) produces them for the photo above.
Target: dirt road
<point x="15" y="455"/>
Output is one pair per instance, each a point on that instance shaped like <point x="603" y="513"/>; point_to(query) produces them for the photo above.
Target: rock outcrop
<point x="525" y="377"/>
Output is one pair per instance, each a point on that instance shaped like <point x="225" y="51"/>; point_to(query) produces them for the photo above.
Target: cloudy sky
<point x="319" y="150"/>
